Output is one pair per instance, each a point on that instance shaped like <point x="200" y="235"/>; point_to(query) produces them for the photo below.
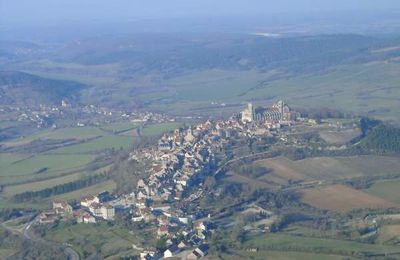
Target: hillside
<point x="26" y="89"/>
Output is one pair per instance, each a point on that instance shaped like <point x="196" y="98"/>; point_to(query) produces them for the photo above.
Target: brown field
<point x="332" y="168"/>
<point x="339" y="137"/>
<point x="253" y="183"/>
<point x="388" y="233"/>
<point x="282" y="168"/>
<point x="342" y="198"/>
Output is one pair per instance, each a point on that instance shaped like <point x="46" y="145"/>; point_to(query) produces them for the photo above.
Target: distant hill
<point x="177" y="53"/>
<point x="27" y="89"/>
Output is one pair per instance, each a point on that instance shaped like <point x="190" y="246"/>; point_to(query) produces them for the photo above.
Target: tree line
<point x="383" y="139"/>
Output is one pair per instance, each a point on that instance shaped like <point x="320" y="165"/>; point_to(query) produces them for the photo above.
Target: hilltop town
<point x="177" y="170"/>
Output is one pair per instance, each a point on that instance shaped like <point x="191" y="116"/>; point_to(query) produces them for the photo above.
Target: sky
<point x="57" y="11"/>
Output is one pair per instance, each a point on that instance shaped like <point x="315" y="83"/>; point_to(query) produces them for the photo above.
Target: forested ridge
<point x="383" y="139"/>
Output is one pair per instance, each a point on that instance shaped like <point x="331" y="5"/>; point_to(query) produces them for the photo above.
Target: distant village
<point x="178" y="167"/>
<point x="44" y="116"/>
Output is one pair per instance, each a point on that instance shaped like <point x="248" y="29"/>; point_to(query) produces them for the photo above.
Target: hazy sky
<point x="36" y="11"/>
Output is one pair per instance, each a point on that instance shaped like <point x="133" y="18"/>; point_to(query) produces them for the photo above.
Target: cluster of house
<point x="183" y="158"/>
<point x="97" y="206"/>
<point x="176" y="251"/>
<point x="91" y="208"/>
<point x="186" y="243"/>
<point x="179" y="166"/>
<point x="60" y="210"/>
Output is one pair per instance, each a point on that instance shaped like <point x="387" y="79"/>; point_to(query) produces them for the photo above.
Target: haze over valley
<point x="151" y="130"/>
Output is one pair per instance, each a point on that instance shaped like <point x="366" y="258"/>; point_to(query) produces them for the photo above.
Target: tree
<point x="161" y="244"/>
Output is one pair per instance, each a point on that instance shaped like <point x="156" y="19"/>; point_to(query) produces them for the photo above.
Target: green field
<point x="62" y="133"/>
<point x="37" y="171"/>
<point x="120" y="127"/>
<point x="11" y="190"/>
<point x="42" y="166"/>
<point x="6" y="202"/>
<point x="387" y="189"/>
<point x="8" y="159"/>
<point x="158" y="129"/>
<point x="98" y="144"/>
<point x="95" y="189"/>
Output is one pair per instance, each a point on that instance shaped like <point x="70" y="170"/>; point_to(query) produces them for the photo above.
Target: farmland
<point x="387" y="189"/>
<point x="332" y="168"/>
<point x="66" y="161"/>
<point x="43" y="166"/>
<point x="341" y="198"/>
<point x="335" y="88"/>
<point x="363" y="89"/>
<point x="48" y="182"/>
<point x="96" y="145"/>
<point x="321" y="181"/>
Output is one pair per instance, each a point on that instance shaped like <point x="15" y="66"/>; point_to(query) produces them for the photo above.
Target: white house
<point x="171" y="251"/>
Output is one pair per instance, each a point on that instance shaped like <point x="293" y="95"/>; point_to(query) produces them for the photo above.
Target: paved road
<point x="25" y="230"/>
<point x="241" y="158"/>
<point x="71" y="253"/>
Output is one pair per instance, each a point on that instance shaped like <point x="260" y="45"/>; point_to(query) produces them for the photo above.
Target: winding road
<point x="71" y="253"/>
<point x="271" y="155"/>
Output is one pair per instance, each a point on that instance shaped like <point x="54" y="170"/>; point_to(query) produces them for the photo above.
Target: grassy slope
<point x="316" y="244"/>
<point x="88" y="237"/>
